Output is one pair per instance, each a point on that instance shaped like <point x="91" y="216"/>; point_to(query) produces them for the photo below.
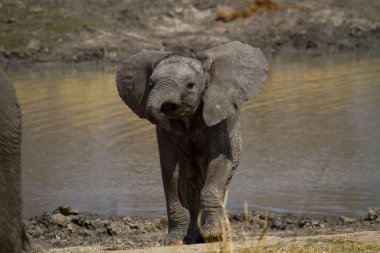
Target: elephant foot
<point x="212" y="232"/>
<point x="174" y="237"/>
<point x="193" y="237"/>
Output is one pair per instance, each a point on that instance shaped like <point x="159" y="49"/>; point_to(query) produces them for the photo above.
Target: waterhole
<point x="311" y="141"/>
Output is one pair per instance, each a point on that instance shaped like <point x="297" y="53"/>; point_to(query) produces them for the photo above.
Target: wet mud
<point x="66" y="227"/>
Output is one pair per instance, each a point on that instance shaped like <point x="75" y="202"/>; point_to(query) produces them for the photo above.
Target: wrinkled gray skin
<point x="195" y="102"/>
<point x="10" y="189"/>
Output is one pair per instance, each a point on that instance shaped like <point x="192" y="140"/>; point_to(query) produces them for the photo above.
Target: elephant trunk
<point x="161" y="100"/>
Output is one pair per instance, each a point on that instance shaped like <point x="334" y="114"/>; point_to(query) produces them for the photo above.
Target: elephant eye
<point x="151" y="84"/>
<point x="190" y="85"/>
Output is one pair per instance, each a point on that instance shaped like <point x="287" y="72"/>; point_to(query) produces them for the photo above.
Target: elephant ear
<point x="237" y="73"/>
<point x="133" y="79"/>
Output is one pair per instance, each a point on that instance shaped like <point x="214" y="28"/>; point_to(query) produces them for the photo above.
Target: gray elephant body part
<point x="10" y="188"/>
<point x="195" y="101"/>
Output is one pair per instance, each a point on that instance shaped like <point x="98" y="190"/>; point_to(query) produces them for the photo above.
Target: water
<point x="311" y="141"/>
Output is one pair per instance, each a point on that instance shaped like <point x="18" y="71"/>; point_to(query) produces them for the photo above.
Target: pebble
<point x="70" y="227"/>
<point x="59" y="219"/>
<point x="134" y="226"/>
<point x="66" y="210"/>
<point x="372" y="214"/>
<point x="37" y="232"/>
<point x="346" y="220"/>
<point x="127" y="219"/>
<point x="277" y="224"/>
<point x="111" y="232"/>
<point x="314" y="223"/>
<point x="82" y="222"/>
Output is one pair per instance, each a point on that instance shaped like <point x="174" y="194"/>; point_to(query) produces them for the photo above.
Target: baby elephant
<point x="194" y="100"/>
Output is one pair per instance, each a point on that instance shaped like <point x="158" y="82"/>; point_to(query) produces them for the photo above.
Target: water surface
<point x="311" y="141"/>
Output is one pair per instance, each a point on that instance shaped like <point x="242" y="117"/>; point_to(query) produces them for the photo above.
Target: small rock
<point x="372" y="214"/>
<point x="84" y="232"/>
<point x="111" y="232"/>
<point x="82" y="222"/>
<point x="178" y="10"/>
<point x="290" y="221"/>
<point x="277" y="224"/>
<point x="34" y="45"/>
<point x="105" y="222"/>
<point x="66" y="210"/>
<point x="36" y="232"/>
<point x="59" y="219"/>
<point x="127" y="219"/>
<point x="70" y="227"/>
<point x="134" y="226"/>
<point x="302" y="222"/>
<point x="346" y="220"/>
<point x="322" y="225"/>
<point x="314" y="223"/>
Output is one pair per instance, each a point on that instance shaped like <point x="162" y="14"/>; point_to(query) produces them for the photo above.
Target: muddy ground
<point x="88" y="30"/>
<point x="66" y="227"/>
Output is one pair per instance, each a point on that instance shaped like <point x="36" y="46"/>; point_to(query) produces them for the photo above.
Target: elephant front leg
<point x="178" y="215"/>
<point x="212" y="198"/>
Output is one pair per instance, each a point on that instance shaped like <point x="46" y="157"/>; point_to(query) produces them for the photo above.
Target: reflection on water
<point x="311" y="142"/>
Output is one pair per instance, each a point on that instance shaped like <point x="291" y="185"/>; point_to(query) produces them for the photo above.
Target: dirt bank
<point x="65" y="227"/>
<point x="77" y="31"/>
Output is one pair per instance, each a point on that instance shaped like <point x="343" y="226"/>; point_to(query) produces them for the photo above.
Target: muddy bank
<point x="78" y="31"/>
<point x="353" y="242"/>
<point x="66" y="227"/>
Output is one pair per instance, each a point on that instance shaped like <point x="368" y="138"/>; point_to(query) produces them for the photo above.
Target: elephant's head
<point x="160" y="86"/>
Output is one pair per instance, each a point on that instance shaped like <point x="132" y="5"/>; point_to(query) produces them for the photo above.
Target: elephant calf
<point x="194" y="100"/>
<point x="10" y="188"/>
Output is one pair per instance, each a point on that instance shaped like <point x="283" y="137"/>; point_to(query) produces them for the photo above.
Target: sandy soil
<point x="66" y="230"/>
<point x="77" y="31"/>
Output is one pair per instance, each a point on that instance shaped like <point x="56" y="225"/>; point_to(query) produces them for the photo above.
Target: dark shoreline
<point x="291" y="54"/>
<point x="66" y="227"/>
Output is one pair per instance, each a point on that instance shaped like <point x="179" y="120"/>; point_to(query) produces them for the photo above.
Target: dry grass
<point x="227" y="244"/>
<point x="315" y="246"/>
<point x="294" y="245"/>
